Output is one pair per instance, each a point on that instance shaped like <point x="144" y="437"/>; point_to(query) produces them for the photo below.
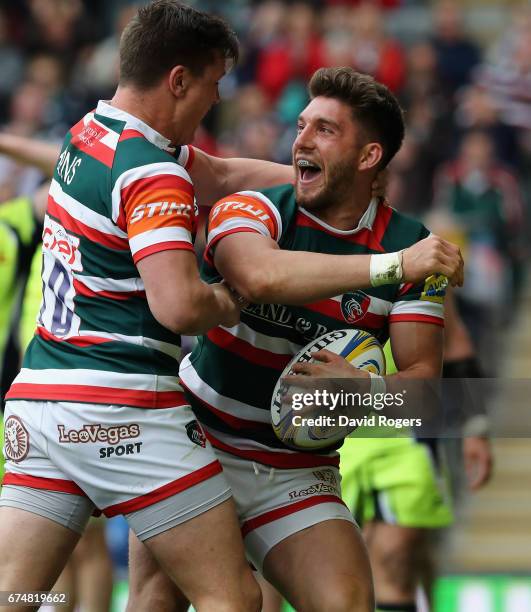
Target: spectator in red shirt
<point x="295" y="55"/>
<point x="366" y="47"/>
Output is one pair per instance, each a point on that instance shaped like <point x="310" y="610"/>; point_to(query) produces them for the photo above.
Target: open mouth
<point x="309" y="171"/>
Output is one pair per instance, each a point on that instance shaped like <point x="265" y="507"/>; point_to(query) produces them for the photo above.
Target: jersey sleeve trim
<point x="417" y="310"/>
<point x="232" y="226"/>
<point x="160" y="239"/>
<point x="271" y="208"/>
<point x="186" y="156"/>
<point x="162" y="246"/>
<point x="239" y="230"/>
<point x="416" y="318"/>
<point x="245" y="211"/>
<point x="147" y="171"/>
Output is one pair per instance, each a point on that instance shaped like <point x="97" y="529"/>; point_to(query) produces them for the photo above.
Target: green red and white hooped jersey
<point x="120" y="192"/>
<point x="231" y="373"/>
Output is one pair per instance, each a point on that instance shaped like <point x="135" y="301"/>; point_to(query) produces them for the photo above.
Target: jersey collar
<point x="133" y="123"/>
<point x="366" y="221"/>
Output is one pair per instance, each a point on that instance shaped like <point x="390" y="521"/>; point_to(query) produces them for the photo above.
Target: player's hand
<point x="477" y="456"/>
<point x="431" y="256"/>
<point x="379" y="185"/>
<point x="329" y="365"/>
<point x="229" y="304"/>
<point x="320" y="379"/>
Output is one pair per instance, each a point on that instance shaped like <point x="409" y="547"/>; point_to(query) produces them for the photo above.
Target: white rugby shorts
<point x="122" y="459"/>
<point x="273" y="504"/>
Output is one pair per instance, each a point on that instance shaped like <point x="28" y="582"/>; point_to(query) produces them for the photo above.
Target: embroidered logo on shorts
<point x="318" y="488"/>
<point x="195" y="432"/>
<point x="16" y="439"/>
<point x="326" y="475"/>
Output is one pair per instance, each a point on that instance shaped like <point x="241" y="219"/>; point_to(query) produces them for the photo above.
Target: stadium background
<point x="463" y="74"/>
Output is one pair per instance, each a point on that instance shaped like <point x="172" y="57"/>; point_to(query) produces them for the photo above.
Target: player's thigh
<point x="300" y="535"/>
<point x="93" y="544"/>
<point x="205" y="557"/>
<point x="397" y="556"/>
<point x="34" y="550"/>
<point x="41" y="522"/>
<point x="272" y="599"/>
<point x="150" y="588"/>
<point x="323" y="568"/>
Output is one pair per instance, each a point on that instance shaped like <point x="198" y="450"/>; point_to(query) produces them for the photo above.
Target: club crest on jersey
<point x="196" y="434"/>
<point x="16" y="439"/>
<point x="354" y="306"/>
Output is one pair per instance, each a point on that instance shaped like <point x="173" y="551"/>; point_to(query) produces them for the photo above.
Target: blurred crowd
<point x="467" y="102"/>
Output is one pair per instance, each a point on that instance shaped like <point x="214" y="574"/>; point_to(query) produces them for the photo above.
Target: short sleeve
<point x="157" y="208"/>
<point x="245" y="211"/>
<point x="422" y="303"/>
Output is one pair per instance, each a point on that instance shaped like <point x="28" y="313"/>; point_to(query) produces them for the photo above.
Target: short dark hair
<point x="373" y="105"/>
<point x="166" y="33"/>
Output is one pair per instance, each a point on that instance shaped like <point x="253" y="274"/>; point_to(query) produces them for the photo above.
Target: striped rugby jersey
<point x="120" y="192"/>
<point x="231" y="373"/>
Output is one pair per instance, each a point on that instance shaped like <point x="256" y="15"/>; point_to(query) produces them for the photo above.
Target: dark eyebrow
<point x="322" y="121"/>
<point x="329" y="122"/>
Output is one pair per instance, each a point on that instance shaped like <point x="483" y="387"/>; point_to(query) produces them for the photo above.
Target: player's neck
<point x="144" y="106"/>
<point x="346" y="212"/>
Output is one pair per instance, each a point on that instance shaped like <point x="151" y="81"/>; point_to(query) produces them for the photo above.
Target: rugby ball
<point x="361" y="350"/>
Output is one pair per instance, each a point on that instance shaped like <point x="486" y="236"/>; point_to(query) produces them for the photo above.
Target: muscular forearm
<point x="263" y="273"/>
<point x="207" y="308"/>
<point x="179" y="299"/>
<point x="255" y="174"/>
<point x="293" y="277"/>
<point x="214" y="177"/>
<point x="31" y="152"/>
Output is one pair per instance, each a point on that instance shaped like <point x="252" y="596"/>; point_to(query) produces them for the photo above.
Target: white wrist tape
<point x="377" y="384"/>
<point x="386" y="269"/>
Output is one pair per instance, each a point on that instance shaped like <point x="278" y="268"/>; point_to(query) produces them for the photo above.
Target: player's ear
<point x="370" y="156"/>
<point x="178" y="81"/>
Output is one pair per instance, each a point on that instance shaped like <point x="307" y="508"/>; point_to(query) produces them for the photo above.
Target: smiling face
<point x="326" y="153"/>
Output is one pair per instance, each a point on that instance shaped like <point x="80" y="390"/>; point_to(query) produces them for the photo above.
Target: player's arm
<point x="179" y="299"/>
<point x="263" y="273"/>
<point x="154" y="205"/>
<point x="30" y="151"/>
<point x="416" y="332"/>
<point x="417" y="350"/>
<point x="215" y="177"/>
